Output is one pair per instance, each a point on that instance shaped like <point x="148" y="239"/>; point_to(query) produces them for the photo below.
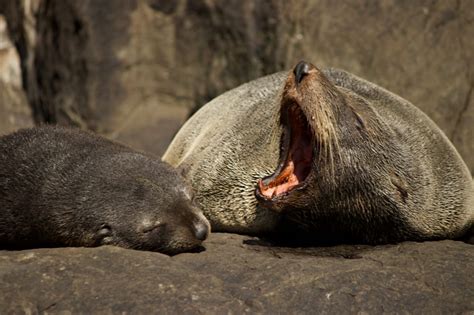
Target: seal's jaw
<point x="309" y="110"/>
<point x="296" y="156"/>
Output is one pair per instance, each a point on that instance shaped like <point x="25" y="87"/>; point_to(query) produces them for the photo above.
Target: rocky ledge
<point x="240" y="274"/>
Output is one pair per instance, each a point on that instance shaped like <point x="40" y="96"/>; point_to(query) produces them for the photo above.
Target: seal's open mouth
<point x="296" y="155"/>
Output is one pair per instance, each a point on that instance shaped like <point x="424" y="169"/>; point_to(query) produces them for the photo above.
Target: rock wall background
<point x="134" y="70"/>
<point x="15" y="111"/>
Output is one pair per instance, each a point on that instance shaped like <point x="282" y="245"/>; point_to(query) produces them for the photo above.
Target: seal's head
<point x="329" y="160"/>
<point x="308" y="115"/>
<point x="147" y="206"/>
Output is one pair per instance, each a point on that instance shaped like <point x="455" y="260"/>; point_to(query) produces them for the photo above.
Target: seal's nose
<point x="300" y="71"/>
<point x="201" y="231"/>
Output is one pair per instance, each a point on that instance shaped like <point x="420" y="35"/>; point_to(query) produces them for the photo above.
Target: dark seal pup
<point x="330" y="156"/>
<point x="67" y="187"/>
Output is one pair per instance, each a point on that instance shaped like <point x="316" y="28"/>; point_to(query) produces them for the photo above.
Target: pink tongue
<point x="299" y="160"/>
<point x="286" y="181"/>
<point x="292" y="181"/>
<point x="268" y="192"/>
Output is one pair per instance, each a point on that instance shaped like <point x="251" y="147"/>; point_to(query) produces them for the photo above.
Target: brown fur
<point x="382" y="172"/>
<point x="67" y="187"/>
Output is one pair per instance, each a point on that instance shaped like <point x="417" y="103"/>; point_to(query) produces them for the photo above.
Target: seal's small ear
<point x="360" y="121"/>
<point x="184" y="170"/>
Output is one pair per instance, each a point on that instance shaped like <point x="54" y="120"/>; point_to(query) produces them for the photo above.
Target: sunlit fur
<point x="382" y="172"/>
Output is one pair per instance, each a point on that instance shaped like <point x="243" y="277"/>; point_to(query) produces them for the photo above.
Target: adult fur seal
<point x="332" y="156"/>
<point x="67" y="187"/>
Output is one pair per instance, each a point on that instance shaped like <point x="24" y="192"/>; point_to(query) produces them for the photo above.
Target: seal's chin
<point x="296" y="156"/>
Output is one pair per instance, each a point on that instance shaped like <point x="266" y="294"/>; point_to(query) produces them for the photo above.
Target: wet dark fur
<point x="66" y="187"/>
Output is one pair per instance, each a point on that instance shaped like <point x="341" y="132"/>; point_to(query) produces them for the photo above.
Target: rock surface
<point x="240" y="274"/>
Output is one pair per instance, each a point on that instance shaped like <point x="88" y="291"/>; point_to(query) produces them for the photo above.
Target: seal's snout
<point x="201" y="231"/>
<point x="301" y="70"/>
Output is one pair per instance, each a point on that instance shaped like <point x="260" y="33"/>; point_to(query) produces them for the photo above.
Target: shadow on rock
<point x="338" y="251"/>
